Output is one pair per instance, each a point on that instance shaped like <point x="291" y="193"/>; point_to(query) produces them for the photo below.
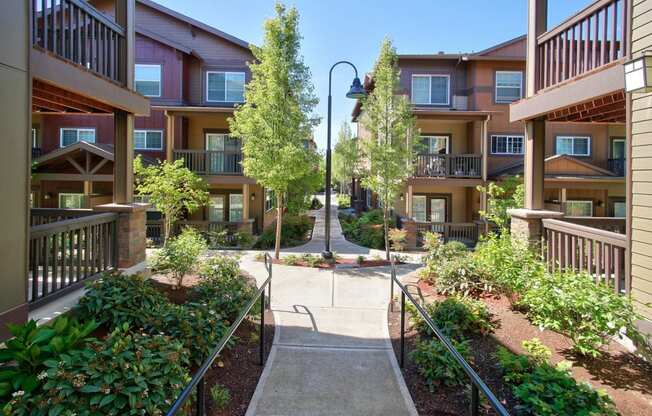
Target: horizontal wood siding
<point x="642" y="166"/>
<point x="149" y="51"/>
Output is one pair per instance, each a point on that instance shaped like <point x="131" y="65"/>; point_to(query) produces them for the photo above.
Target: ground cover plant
<point x="295" y="231"/>
<point x="365" y="230"/>
<point x="343" y="201"/>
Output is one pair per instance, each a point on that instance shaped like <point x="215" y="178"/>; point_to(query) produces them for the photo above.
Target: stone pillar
<point x="131" y="232"/>
<point x="526" y="224"/>
<point x="410" y="228"/>
<point x="246" y="226"/>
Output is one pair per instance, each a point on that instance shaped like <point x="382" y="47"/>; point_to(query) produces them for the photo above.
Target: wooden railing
<point x="592" y="38"/>
<point x="613" y="224"/>
<point x="154" y="229"/>
<point x="36" y="153"/>
<point x="211" y="162"/>
<point x="76" y="31"/>
<point x="449" y="166"/>
<point x="600" y="253"/>
<point x="40" y="216"/>
<point x="466" y="233"/>
<point x="64" y="254"/>
<point x="616" y="166"/>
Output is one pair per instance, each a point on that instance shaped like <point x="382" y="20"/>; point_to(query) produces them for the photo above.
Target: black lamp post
<point x="356" y="91"/>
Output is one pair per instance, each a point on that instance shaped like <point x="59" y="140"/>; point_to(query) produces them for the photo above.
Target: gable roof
<point x="492" y="53"/>
<point x="559" y="166"/>
<point x="103" y="150"/>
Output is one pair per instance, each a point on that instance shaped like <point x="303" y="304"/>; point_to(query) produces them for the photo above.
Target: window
<point x="71" y="201"/>
<point x="509" y="86"/>
<point x="148" y="80"/>
<point x="269" y="199"/>
<point x="148" y="139"/>
<point x="618" y="148"/>
<point x="579" y="208"/>
<point x="620" y="209"/>
<point x="436" y="145"/>
<point x="216" y="208"/>
<point x="236" y="207"/>
<point x="72" y="136"/>
<point x="431" y="89"/>
<point x="573" y="146"/>
<point x="506" y="145"/>
<point x="225" y="86"/>
<point x="438" y="209"/>
<point x="419" y="211"/>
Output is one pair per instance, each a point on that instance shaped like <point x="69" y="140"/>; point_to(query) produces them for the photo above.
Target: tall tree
<point x="172" y="189"/>
<point x="346" y="157"/>
<point x="389" y="150"/>
<point x="276" y="117"/>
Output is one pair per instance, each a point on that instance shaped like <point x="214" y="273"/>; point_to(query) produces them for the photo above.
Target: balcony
<point x="449" y="166"/>
<point x="616" y="166"/>
<point x="211" y="162"/>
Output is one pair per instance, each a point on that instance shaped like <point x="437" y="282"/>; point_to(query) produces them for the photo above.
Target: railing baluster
<point x="402" y="356"/>
<point x="587" y="45"/>
<point x="614" y="31"/>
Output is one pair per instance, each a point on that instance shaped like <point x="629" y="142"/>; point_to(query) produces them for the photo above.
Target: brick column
<point x="527" y="225"/>
<point x="246" y="226"/>
<point x="131" y="232"/>
<point x="410" y="228"/>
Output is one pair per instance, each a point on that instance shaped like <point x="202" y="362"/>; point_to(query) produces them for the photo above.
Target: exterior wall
<point x="459" y="201"/>
<point x="601" y="198"/>
<point x="199" y="123"/>
<point x="450" y="67"/>
<point x="15" y="89"/>
<point x="601" y="135"/>
<point x="149" y="51"/>
<point x="458" y="132"/>
<point x="641" y="173"/>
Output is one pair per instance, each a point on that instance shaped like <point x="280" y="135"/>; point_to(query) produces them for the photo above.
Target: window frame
<point x="498" y="101"/>
<point x="430" y="76"/>
<point x="269" y="200"/>
<point x="160" y="79"/>
<point x="588" y="145"/>
<point x="582" y="201"/>
<point x="507" y="145"/>
<point x="77" y="129"/>
<point x="81" y="195"/>
<point x="243" y="73"/>
<point x="148" y="131"/>
<point x="231" y="195"/>
<point x="448" y="138"/>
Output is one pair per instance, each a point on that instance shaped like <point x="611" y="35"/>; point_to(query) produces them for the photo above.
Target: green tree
<point x="346" y="157"/>
<point x="301" y="191"/>
<point x="276" y="117"/>
<point x="502" y="196"/>
<point x="389" y="150"/>
<point x="172" y="189"/>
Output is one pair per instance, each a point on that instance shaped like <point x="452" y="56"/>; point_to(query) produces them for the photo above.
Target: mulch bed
<point x="624" y="376"/>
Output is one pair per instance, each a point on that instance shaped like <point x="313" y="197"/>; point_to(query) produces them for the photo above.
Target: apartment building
<point x="194" y="76"/>
<point x="461" y="104"/>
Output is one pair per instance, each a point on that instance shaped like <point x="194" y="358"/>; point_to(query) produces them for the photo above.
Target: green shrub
<point x="23" y="356"/>
<point x="343" y="201"/>
<point x="437" y="251"/>
<point x="589" y="314"/>
<point x="292" y="259"/>
<point x="461" y="275"/>
<point x="437" y="366"/>
<point x="127" y="374"/>
<point x="366" y="230"/>
<point x="116" y="299"/>
<point x="397" y="238"/>
<point x="220" y="395"/>
<point x="179" y="255"/>
<point x="315" y="204"/>
<point x="294" y="230"/>
<point x="311" y="260"/>
<point x="457" y="317"/>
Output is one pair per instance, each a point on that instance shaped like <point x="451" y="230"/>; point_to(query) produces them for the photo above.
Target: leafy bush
<point x="179" y="255"/>
<point x="397" y="238"/>
<point x="316" y="204"/>
<point x="311" y="260"/>
<point x="343" y="201"/>
<point x="544" y="389"/>
<point x="589" y="313"/>
<point x="225" y="238"/>
<point x="461" y="275"/>
<point x="294" y="230"/>
<point x="437" y="251"/>
<point x="220" y="395"/>
<point x="457" y="317"/>
<point x="128" y="374"/>
<point x="116" y="299"/>
<point x="366" y="230"/>
<point x="437" y="366"/>
<point x="22" y="358"/>
<point x="292" y="259"/>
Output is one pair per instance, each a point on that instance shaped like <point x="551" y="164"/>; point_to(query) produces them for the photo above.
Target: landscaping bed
<point x="316" y="261"/>
<point x="296" y="230"/>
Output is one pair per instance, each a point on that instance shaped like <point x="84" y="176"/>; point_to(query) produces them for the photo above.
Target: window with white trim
<point x="71" y="201"/>
<point x="436" y="145"/>
<point x="506" y="144"/>
<point x="419" y="210"/>
<point x="70" y="136"/>
<point x="269" y="199"/>
<point x="216" y="208"/>
<point x="573" y="145"/>
<point x="147" y="79"/>
<point x="509" y="86"/>
<point x="225" y="86"/>
<point x="148" y="140"/>
<point x="431" y="89"/>
<point x="578" y="208"/>
<point x="236" y="207"/>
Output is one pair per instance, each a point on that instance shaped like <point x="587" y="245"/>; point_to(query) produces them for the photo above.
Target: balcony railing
<point x="466" y="233"/>
<point x="40" y="216"/>
<point x="612" y="224"/>
<point x="154" y="230"/>
<point x="449" y="166"/>
<point x="592" y="38"/>
<point x="211" y="162"/>
<point x="36" y="152"/>
<point x="74" y="30"/>
<point x="616" y="166"/>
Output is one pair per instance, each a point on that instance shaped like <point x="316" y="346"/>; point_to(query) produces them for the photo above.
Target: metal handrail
<point x="198" y="379"/>
<point x="477" y="384"/>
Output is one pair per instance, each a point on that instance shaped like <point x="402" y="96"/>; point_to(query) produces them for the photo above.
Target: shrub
<point x="439" y="253"/>
<point x="437" y="366"/>
<point x="311" y="261"/>
<point x="292" y="259"/>
<point x="461" y="275"/>
<point x="457" y="317"/>
<point x="23" y="356"/>
<point x="343" y="201"/>
<point x="294" y="230"/>
<point x="397" y="238"/>
<point x="179" y="255"/>
<point x="127" y="374"/>
<point x="243" y="239"/>
<point x="315" y="204"/>
<point x="366" y="230"/>
<point x="220" y="395"/>
<point x="116" y="299"/>
<point x="589" y="313"/>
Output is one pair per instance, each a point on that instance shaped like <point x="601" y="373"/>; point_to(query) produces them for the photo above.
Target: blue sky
<point x="353" y="30"/>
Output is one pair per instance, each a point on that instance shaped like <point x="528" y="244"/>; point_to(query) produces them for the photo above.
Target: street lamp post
<point x="356" y="91"/>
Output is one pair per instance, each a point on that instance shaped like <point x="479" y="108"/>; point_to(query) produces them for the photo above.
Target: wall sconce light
<point x="47" y="196"/>
<point x="600" y="203"/>
<point x="638" y="74"/>
<point x="253" y="196"/>
<point x="402" y="197"/>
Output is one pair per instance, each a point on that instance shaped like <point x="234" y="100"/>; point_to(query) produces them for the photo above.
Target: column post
<point x="535" y="146"/>
<point x="537" y="25"/>
<point x="169" y="135"/>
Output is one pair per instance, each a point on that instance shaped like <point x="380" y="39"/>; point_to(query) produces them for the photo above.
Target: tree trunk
<point x="352" y="190"/>
<point x="279" y="219"/>
<point x="166" y="228"/>
<point x="386" y="226"/>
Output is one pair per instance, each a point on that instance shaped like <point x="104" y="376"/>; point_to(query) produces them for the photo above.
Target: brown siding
<point x="449" y="67"/>
<point x="641" y="152"/>
<point x="149" y="51"/>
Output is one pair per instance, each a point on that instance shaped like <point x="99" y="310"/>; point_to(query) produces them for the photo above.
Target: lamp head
<point x="357" y="90"/>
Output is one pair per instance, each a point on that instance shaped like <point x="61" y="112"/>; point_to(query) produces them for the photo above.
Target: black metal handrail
<point x="477" y="384"/>
<point x="197" y="380"/>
